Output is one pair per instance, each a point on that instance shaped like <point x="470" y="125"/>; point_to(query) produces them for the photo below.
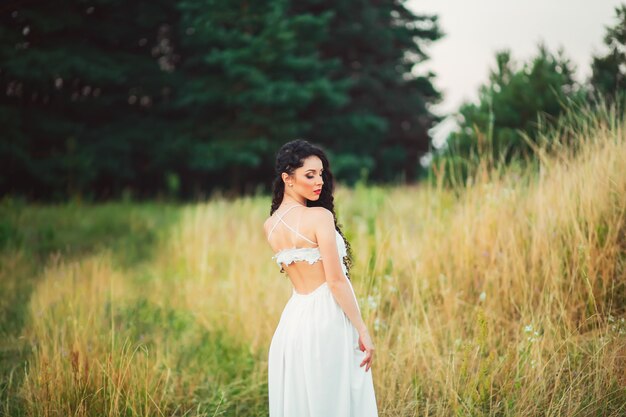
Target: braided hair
<point x="290" y="157"/>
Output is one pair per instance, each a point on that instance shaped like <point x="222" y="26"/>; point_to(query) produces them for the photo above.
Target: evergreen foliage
<point x="105" y="97"/>
<point x="517" y="101"/>
<point x="84" y="97"/>
<point x="609" y="71"/>
<point x="383" y="128"/>
<point x="253" y="73"/>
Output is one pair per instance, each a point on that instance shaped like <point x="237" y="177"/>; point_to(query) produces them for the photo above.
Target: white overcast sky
<point x="475" y="30"/>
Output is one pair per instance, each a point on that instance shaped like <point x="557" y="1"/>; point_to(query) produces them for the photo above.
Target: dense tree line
<point x="104" y="96"/>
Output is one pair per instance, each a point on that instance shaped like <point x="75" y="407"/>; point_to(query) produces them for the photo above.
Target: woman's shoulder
<point x="319" y="211"/>
<point x="320" y="215"/>
<point x="266" y="224"/>
<point x="315" y="213"/>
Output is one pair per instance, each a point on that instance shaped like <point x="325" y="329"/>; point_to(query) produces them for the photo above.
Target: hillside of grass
<point x="502" y="296"/>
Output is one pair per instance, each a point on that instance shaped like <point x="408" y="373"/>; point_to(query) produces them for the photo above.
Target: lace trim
<point x="310" y="255"/>
<point x="288" y="256"/>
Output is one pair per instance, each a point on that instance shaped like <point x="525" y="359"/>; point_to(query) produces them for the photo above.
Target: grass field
<point x="505" y="296"/>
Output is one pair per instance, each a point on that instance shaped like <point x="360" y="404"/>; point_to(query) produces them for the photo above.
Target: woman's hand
<point x="366" y="345"/>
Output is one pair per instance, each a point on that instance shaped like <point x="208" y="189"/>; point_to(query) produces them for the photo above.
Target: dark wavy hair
<point x="290" y="157"/>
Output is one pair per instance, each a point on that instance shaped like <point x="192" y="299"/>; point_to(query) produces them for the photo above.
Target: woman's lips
<point x="317" y="191"/>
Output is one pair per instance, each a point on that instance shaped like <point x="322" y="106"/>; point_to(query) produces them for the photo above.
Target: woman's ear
<point x="286" y="178"/>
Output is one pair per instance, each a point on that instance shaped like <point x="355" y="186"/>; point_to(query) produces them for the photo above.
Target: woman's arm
<point x="337" y="281"/>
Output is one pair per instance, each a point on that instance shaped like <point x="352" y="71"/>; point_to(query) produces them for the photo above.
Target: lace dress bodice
<point x="311" y="255"/>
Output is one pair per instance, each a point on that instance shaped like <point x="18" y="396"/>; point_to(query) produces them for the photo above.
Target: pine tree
<point x="513" y="100"/>
<point x="254" y="75"/>
<point x="609" y="71"/>
<point x="384" y="125"/>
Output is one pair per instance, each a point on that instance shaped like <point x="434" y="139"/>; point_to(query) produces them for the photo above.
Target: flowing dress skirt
<point x="313" y="364"/>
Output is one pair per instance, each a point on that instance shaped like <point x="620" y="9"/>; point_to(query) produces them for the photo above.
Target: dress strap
<point x="298" y="233"/>
<point x="280" y="219"/>
<point x="294" y="240"/>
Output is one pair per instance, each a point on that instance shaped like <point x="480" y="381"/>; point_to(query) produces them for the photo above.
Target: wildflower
<point x="507" y="192"/>
<point x="528" y="328"/>
<point x="482" y="296"/>
<point x="376" y="324"/>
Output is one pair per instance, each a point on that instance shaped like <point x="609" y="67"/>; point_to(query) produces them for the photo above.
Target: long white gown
<point x="314" y="356"/>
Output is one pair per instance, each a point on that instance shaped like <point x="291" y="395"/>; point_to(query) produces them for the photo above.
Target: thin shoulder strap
<point x="298" y="228"/>
<point x="298" y="233"/>
<point x="280" y="218"/>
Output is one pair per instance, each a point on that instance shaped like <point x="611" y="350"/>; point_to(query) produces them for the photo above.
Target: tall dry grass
<point x="506" y="297"/>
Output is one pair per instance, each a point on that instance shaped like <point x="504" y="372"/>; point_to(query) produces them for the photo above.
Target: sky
<point x="475" y="30"/>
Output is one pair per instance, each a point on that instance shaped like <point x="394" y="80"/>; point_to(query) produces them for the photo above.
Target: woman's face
<point x="307" y="180"/>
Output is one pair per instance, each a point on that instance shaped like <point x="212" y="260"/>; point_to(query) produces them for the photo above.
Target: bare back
<point x="294" y="228"/>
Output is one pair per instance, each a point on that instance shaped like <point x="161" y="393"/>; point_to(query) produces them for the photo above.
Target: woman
<point x="321" y="351"/>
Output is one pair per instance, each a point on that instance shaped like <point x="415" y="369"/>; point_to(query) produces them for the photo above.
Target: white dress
<point x="314" y="356"/>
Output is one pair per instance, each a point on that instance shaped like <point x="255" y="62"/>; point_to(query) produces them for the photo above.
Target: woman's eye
<point x="309" y="177"/>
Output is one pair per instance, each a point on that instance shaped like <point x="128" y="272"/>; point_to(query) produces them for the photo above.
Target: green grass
<point x="503" y="297"/>
<point x="32" y="236"/>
